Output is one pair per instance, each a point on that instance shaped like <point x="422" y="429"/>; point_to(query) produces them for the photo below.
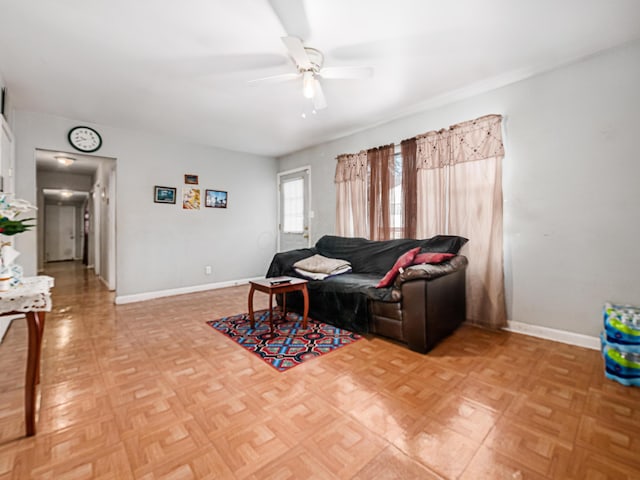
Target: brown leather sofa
<point x="425" y="304"/>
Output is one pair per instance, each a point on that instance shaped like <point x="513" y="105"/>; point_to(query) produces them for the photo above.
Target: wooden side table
<point x="269" y="286"/>
<point x="32" y="298"/>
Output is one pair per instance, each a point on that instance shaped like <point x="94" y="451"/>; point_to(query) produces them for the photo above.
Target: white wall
<point x="571" y="193"/>
<point x="161" y="246"/>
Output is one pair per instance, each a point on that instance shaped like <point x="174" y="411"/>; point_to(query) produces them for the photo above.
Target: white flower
<point x="11" y="208"/>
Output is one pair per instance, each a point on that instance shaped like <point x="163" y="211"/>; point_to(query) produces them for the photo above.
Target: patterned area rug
<point x="290" y="344"/>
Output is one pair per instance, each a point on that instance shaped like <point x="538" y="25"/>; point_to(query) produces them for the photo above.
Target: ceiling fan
<point x="309" y="63"/>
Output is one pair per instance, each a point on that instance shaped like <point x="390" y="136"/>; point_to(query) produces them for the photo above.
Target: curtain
<point x="409" y="188"/>
<point x="431" y="187"/>
<point x="351" y="195"/>
<point x="380" y="184"/>
<point x="460" y="172"/>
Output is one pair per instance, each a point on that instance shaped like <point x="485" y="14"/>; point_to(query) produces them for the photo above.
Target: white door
<point x="60" y="232"/>
<point x="293" y="231"/>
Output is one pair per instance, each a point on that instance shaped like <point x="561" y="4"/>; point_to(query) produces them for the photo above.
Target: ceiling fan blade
<point x="319" y="102"/>
<point x="292" y="16"/>
<point x="346" y="72"/>
<point x="275" y="78"/>
<point x="297" y="52"/>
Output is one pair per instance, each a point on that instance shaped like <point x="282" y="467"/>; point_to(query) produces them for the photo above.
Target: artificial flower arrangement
<point x="9" y="210"/>
<point x="10" y="272"/>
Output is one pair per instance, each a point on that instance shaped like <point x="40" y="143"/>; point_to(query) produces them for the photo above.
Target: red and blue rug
<point x="290" y="344"/>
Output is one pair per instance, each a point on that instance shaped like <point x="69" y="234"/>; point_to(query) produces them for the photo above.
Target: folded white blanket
<point x="322" y="276"/>
<point x="320" y="264"/>
<point x="318" y="267"/>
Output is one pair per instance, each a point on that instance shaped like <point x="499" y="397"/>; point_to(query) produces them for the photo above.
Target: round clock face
<point x="85" y="139"/>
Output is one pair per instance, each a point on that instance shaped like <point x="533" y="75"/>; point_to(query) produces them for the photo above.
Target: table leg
<point x="305" y="294"/>
<point x="33" y="358"/>
<point x="284" y="306"/>
<point x="251" y="319"/>
<point x="40" y="316"/>
<point x="271" y="312"/>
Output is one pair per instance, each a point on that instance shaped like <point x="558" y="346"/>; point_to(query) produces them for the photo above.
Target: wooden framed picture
<point x="3" y="101"/>
<point x="164" y="194"/>
<point x="215" y="199"/>
<point x="190" y="179"/>
<point x="191" y="198"/>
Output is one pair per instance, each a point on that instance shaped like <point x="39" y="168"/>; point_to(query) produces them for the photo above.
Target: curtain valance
<point x="464" y="142"/>
<point x="351" y="166"/>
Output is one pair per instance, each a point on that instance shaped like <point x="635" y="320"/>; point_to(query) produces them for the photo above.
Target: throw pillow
<point x="405" y="260"/>
<point x="432" y="258"/>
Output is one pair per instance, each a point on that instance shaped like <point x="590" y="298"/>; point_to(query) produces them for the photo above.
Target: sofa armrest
<point x="282" y="263"/>
<point x="430" y="272"/>
<point x="432" y="309"/>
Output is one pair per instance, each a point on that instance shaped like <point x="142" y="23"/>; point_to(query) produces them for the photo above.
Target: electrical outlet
<point x="207" y="270"/>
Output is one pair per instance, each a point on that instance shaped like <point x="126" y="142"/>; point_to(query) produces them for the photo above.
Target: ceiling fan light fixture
<point x="66" y="161"/>
<point x="308" y="84"/>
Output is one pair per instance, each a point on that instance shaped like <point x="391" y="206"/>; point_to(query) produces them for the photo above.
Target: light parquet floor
<point x="148" y="390"/>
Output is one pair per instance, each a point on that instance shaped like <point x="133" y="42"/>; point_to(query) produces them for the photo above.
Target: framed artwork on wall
<point x="164" y="194"/>
<point x="190" y="179"/>
<point x="215" y="199"/>
<point x="3" y="101"/>
<point x="191" y="198"/>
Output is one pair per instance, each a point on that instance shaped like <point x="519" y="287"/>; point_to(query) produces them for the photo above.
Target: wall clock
<point x="85" y="139"/>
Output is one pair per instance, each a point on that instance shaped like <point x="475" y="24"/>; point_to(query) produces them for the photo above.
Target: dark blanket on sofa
<point x="343" y="300"/>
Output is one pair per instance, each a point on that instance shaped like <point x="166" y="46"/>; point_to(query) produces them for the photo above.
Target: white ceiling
<point x="181" y="68"/>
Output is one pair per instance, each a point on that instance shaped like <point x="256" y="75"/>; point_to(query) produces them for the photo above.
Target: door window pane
<point x="293" y="206"/>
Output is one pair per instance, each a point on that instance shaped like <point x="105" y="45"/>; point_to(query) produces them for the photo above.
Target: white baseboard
<point x="139" y="297"/>
<point x="104" y="282"/>
<point x="552" y="334"/>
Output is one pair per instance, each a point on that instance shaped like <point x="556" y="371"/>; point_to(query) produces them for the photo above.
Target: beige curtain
<point x="461" y="169"/>
<point x="351" y="195"/>
<point x="380" y="184"/>
<point x="431" y="188"/>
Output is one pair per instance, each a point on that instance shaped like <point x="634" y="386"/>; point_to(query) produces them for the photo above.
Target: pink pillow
<point x="432" y="258"/>
<point x="405" y="260"/>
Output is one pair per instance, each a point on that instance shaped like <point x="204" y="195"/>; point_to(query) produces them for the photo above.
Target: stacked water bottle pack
<point x="621" y="343"/>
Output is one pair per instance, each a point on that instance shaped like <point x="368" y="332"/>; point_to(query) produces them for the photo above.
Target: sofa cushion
<point x="431" y="257"/>
<point x="443" y="244"/>
<point x="430" y="271"/>
<point x="404" y="260"/>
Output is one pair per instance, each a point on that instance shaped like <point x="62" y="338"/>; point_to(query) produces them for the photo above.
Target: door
<point x="60" y="232"/>
<point x="293" y="217"/>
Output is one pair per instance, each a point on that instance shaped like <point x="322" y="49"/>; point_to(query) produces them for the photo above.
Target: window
<point x="395" y="196"/>
<point x="293" y="206"/>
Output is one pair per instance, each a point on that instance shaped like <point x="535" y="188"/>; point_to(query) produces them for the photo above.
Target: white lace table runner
<point x="31" y="295"/>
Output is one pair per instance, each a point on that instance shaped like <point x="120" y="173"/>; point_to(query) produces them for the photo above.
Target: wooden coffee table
<point x="275" y="286"/>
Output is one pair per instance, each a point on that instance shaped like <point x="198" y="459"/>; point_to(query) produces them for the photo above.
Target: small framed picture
<point x="164" y="194"/>
<point x="3" y="101"/>
<point x="215" y="199"/>
<point x="191" y="198"/>
<point x="191" y="179"/>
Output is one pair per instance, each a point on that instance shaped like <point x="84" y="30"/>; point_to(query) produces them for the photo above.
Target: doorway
<point x="77" y="212"/>
<point x="294" y="200"/>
